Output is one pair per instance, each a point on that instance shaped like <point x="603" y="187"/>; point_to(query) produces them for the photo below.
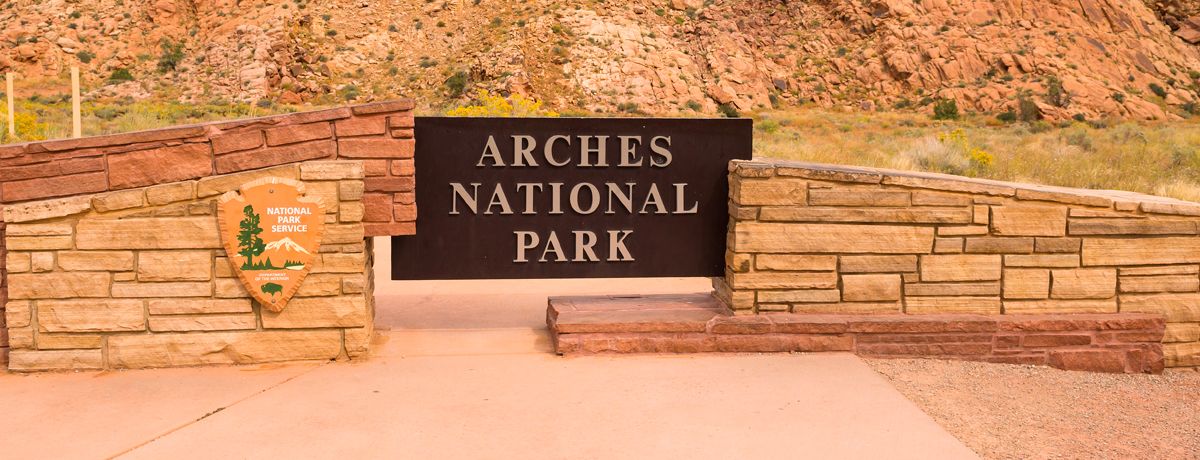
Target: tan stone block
<point x="124" y="276"/>
<point x="1083" y="283"/>
<point x="58" y="285"/>
<point x="784" y="280"/>
<point x="865" y="215"/>
<point x="69" y="341"/>
<point x="1015" y="307"/>
<point x="1026" y="283"/>
<point x="320" y="285"/>
<point x="98" y="315"/>
<point x="48" y="209"/>
<point x="743" y="212"/>
<point x="229" y="288"/>
<point x="1141" y="251"/>
<point x="738" y="262"/>
<point x="216" y="185"/>
<point x="1163" y="270"/>
<point x="870" y="288"/>
<point x="173" y="210"/>
<point x="174" y="266"/>
<point x="988" y="288"/>
<point x="312" y="312"/>
<point x="947" y="245"/>
<point x="173" y="289"/>
<point x="20" y="338"/>
<point x="831" y="238"/>
<point x="924" y="198"/>
<point x="353" y="284"/>
<point x="1000" y="245"/>
<point x="198" y="306"/>
<point x="1042" y="260"/>
<point x="948" y="184"/>
<point x="1181" y="354"/>
<point x="54" y="360"/>
<point x="769" y="192"/>
<point x="44" y="229"/>
<point x="1176" y="307"/>
<point x="40" y="262"/>
<point x="794" y="262"/>
<point x="17" y="313"/>
<point x="1131" y="227"/>
<point x="37" y="243"/>
<point x="800" y="296"/>
<point x="95" y="260"/>
<point x="358" y="341"/>
<point x="184" y="349"/>
<point x="1103" y="213"/>
<point x="171" y="193"/>
<point x="350" y="190"/>
<point x="858" y="197"/>
<point x="342" y="234"/>
<point x="149" y="233"/>
<point x="1057" y="245"/>
<point x="979" y="214"/>
<point x="975" y="304"/>
<point x="17" y="262"/>
<point x="1029" y="220"/>
<point x="116" y="201"/>
<point x="1048" y="194"/>
<point x="340" y="263"/>
<point x="205" y="208"/>
<point x="183" y="323"/>
<point x="740" y="301"/>
<point x="351" y="212"/>
<point x="878" y="264"/>
<point x="1182" y="332"/>
<point x="1161" y="283"/>
<point x="327" y="192"/>
<point x="956" y="267"/>
<point x="847" y="307"/>
<point x="331" y="170"/>
<point x="224" y="269"/>
<point x="963" y="230"/>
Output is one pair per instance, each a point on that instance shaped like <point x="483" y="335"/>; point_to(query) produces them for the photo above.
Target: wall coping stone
<point x="1123" y="200"/>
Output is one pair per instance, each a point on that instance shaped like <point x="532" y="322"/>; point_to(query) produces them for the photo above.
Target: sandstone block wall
<point x="808" y="238"/>
<point x="64" y="174"/>
<point x="126" y="279"/>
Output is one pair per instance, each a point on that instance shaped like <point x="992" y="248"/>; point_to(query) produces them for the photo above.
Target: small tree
<point x="249" y="243"/>
<point x="945" y="109"/>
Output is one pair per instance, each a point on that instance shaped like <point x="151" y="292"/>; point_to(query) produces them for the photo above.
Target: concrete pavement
<point x="467" y="373"/>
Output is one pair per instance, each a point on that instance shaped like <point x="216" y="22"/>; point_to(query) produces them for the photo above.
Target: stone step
<point x="694" y="323"/>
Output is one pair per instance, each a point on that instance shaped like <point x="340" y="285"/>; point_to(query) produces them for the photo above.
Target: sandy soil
<point x="1019" y="412"/>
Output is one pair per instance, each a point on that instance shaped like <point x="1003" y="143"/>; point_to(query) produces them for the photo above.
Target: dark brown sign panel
<point x="570" y="197"/>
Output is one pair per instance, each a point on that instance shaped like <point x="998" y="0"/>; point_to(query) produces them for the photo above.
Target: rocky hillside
<point x="1053" y="59"/>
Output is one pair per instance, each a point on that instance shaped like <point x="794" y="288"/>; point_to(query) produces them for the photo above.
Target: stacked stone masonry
<point x="377" y="136"/>
<point x="807" y="238"/>
<point x="125" y="279"/>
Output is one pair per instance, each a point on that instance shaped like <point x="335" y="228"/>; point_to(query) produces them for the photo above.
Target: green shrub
<point x="1158" y="90"/>
<point x="945" y="109"/>
<point x="456" y="84"/>
<point x="1055" y="94"/>
<point x="85" y="56"/>
<point x="1027" y="110"/>
<point x="1008" y="116"/>
<point x="728" y="111"/>
<point x="171" y="56"/>
<point x="693" y="105"/>
<point x="119" y="75"/>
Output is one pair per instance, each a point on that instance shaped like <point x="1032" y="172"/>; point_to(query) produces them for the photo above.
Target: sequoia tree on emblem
<point x="271" y="233"/>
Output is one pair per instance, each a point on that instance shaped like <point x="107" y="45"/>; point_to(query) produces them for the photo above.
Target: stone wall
<point x="807" y="238"/>
<point x="378" y="135"/>
<point x="125" y="279"/>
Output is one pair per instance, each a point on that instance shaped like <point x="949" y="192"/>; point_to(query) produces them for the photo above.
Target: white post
<point x="77" y="130"/>
<point x="12" y="114"/>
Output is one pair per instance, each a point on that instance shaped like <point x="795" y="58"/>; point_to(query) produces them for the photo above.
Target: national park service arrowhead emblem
<point x="271" y="233"/>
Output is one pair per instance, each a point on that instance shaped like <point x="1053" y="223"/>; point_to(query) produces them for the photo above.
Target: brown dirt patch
<point x="1008" y="411"/>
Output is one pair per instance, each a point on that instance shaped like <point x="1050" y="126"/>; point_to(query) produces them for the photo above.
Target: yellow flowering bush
<point x="488" y="104"/>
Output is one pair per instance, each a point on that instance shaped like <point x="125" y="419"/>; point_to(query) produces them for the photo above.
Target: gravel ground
<point x="1008" y="411"/>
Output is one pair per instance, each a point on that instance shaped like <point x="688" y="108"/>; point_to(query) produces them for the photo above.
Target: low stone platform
<point x="698" y="323"/>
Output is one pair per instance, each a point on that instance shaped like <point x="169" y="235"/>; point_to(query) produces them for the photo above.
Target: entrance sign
<point x="570" y="197"/>
<point x="271" y="235"/>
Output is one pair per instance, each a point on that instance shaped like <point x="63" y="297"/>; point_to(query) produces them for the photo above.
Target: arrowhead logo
<point x="271" y="233"/>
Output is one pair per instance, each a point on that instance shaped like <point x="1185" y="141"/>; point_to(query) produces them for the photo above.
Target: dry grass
<point x="1160" y="158"/>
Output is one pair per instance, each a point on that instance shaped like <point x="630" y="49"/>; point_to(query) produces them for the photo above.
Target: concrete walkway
<point x="467" y="373"/>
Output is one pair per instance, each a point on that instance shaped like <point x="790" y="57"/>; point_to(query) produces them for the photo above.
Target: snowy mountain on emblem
<point x="286" y="244"/>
